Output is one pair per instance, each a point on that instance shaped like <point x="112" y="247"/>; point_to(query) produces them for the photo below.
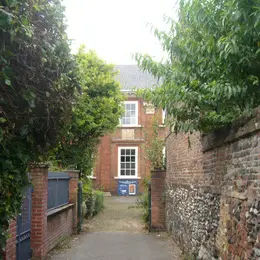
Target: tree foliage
<point x="96" y="111"/>
<point x="212" y="73"/>
<point x="36" y="91"/>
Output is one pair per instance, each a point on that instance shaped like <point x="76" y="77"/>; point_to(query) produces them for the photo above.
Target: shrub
<point x="94" y="200"/>
<point x="143" y="201"/>
<point x="99" y="201"/>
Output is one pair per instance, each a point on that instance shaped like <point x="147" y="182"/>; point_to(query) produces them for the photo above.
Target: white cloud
<point x="117" y="28"/>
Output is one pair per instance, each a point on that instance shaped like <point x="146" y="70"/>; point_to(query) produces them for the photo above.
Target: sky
<point x="116" y="29"/>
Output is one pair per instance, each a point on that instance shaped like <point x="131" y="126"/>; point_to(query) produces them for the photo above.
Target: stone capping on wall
<point x="158" y="173"/>
<point x="33" y="165"/>
<point x="59" y="209"/>
<point x="239" y="129"/>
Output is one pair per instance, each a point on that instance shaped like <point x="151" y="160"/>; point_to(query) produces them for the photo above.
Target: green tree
<point x="36" y="91"/>
<point x="96" y="111"/>
<point x="211" y="75"/>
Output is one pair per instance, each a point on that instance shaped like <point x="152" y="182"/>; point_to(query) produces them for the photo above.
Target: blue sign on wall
<point x="127" y="187"/>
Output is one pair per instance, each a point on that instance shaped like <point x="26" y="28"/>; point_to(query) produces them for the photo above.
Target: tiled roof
<point x="131" y="77"/>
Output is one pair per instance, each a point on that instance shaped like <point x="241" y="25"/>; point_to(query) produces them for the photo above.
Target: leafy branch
<point x="212" y="74"/>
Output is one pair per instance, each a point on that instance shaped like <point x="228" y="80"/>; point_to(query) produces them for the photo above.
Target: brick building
<point x="121" y="164"/>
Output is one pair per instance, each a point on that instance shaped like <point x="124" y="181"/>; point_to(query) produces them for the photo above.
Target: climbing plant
<point x="212" y="71"/>
<point x="154" y="146"/>
<point x="96" y="111"/>
<point x="37" y="89"/>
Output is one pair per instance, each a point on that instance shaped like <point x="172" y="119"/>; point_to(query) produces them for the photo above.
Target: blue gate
<point x="23" y="226"/>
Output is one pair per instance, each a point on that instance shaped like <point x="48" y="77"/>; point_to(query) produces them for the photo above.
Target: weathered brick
<point x="216" y="220"/>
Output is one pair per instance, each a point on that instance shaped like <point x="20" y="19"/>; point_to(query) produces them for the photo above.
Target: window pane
<point x="122" y="158"/>
<point x="127" y="165"/>
<point x="132" y="113"/>
<point x="126" y="121"/>
<point x="122" y="172"/>
<point x="132" y="121"/>
<point x="132" y="158"/>
<point x="127" y="107"/>
<point x="127" y="172"/>
<point x="127" y="159"/>
<point x="122" y="166"/>
<point x="132" y="106"/>
<point x="122" y="151"/>
<point x="128" y="114"/>
<point x="132" y="165"/>
<point x="127" y="151"/>
<point x="133" y="152"/>
<point x="132" y="172"/>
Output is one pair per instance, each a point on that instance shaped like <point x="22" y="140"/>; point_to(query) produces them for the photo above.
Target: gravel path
<point x="118" y="233"/>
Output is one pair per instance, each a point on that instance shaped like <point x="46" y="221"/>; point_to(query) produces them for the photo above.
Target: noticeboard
<point x="127" y="187"/>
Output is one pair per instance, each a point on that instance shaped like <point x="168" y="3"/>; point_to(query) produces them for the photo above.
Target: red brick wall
<point x="64" y="222"/>
<point x="39" y="177"/>
<point x="103" y="168"/>
<point x="46" y="232"/>
<point x="107" y="161"/>
<point x="10" y="249"/>
<point x="59" y="226"/>
<point x="213" y="191"/>
<point x="157" y="200"/>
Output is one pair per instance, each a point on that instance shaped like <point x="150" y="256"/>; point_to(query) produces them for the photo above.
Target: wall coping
<point x="239" y="129"/>
<point x="57" y="210"/>
<point x="33" y="165"/>
<point x="73" y="174"/>
<point x="158" y="174"/>
<point x="68" y="170"/>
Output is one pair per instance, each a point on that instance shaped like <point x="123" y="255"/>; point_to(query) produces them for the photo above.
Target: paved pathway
<point x="119" y="234"/>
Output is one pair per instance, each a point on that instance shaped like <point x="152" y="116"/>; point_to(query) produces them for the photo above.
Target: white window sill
<point x="129" y="126"/>
<point x="92" y="177"/>
<point x="161" y="125"/>
<point x="127" y="178"/>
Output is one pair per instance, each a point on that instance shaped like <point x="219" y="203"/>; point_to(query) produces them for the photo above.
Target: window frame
<point x="137" y="117"/>
<point x="119" y="162"/>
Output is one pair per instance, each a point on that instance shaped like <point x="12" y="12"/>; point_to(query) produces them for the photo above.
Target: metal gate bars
<point x="23" y="228"/>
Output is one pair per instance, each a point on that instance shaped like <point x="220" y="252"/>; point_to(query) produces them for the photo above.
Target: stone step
<point x="107" y="194"/>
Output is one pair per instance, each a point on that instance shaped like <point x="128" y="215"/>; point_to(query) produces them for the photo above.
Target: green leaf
<point x="25" y="21"/>
<point x="8" y="82"/>
<point x="2" y="120"/>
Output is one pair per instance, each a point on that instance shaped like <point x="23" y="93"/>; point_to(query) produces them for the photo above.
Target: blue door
<point x="23" y="226"/>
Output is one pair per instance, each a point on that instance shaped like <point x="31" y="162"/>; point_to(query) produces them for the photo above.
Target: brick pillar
<point x="73" y="196"/>
<point x="10" y="248"/>
<point x="39" y="177"/>
<point x="105" y="166"/>
<point x="157" y="199"/>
